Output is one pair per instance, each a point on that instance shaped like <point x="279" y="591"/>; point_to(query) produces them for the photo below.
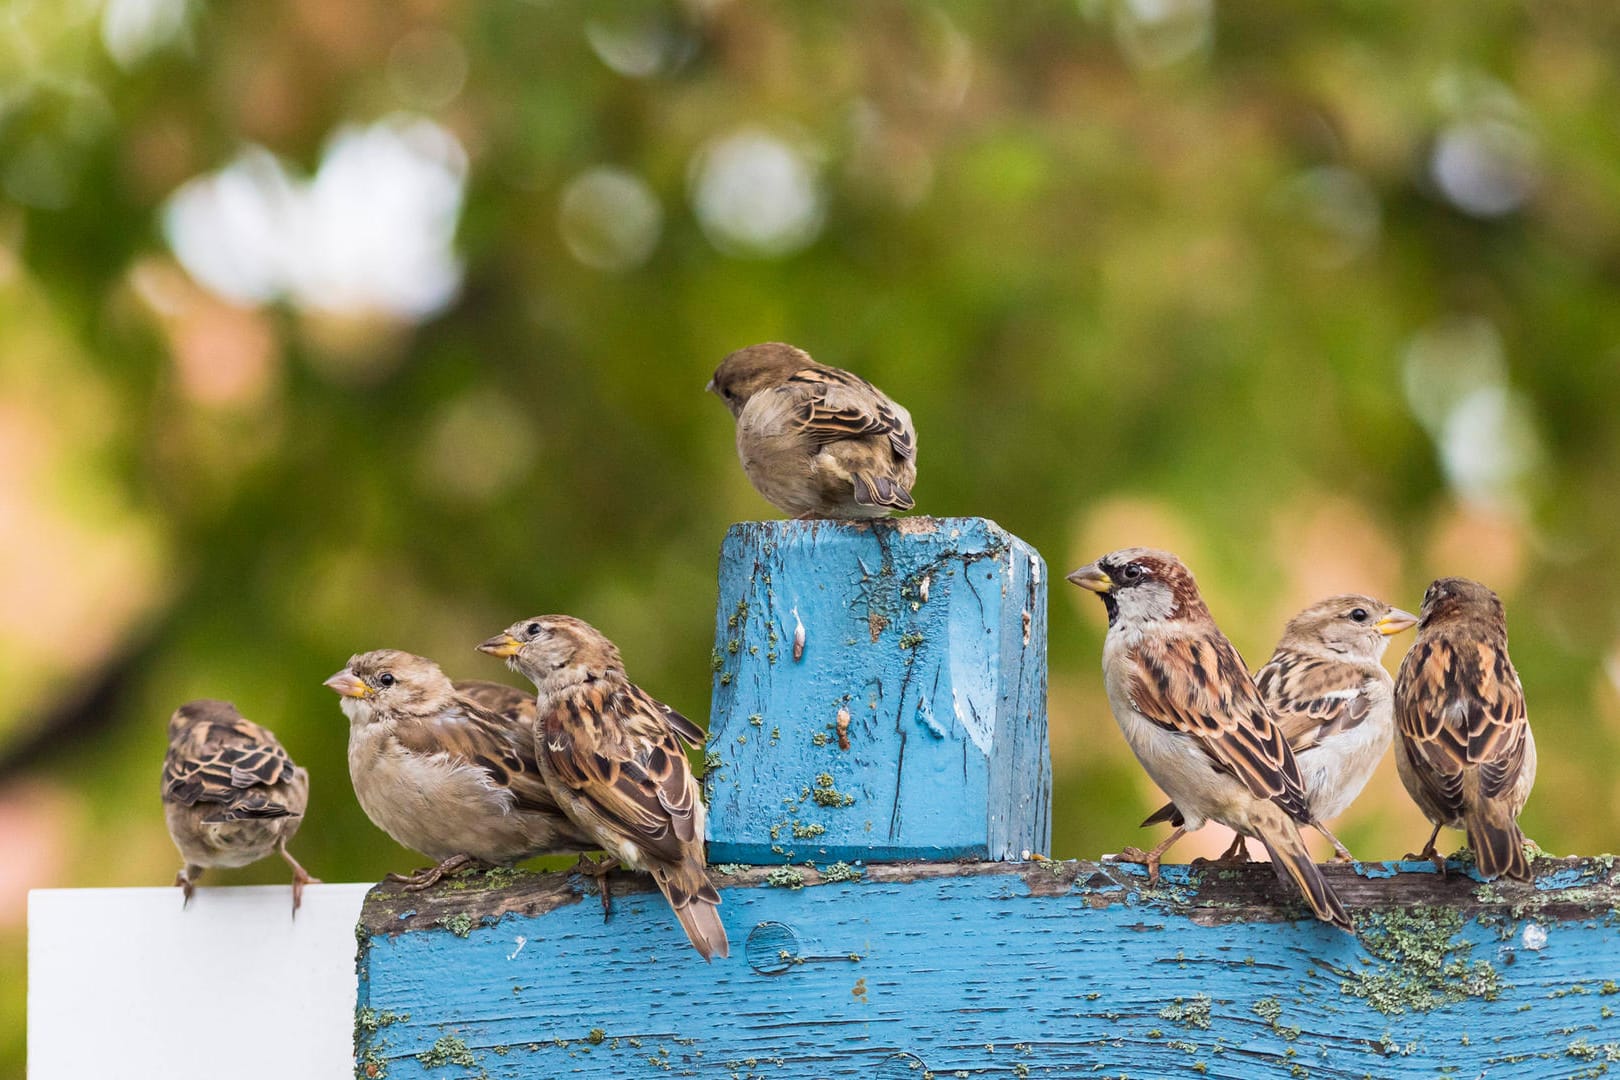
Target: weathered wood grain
<point x="880" y="693"/>
<point x="1000" y="969"/>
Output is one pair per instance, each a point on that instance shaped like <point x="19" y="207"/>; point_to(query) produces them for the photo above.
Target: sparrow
<point x="448" y="770"/>
<point x="1462" y="738"/>
<point x="1195" y="719"/>
<point x="1329" y="693"/>
<point x="817" y="441"/>
<point x="231" y="794"/>
<point x="614" y="760"/>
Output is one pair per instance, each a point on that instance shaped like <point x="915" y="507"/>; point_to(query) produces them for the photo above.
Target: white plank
<point x="122" y="982"/>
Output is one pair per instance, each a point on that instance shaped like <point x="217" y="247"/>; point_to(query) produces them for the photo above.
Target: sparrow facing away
<point x="613" y="757"/>
<point x="1330" y="695"/>
<point x="231" y="794"/>
<point x="817" y="441"/>
<point x="1195" y="719"/>
<point x="1462" y="738"/>
<point x="442" y="772"/>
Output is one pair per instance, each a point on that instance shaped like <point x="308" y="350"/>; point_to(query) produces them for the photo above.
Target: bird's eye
<point x="1132" y="573"/>
<point x="386" y="678"/>
<point x="533" y="629"/>
<point x="1359" y="615"/>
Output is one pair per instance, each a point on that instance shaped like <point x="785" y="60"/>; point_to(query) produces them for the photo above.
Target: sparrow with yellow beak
<point x="613" y="758"/>
<point x="1195" y="719"/>
<point x="444" y="774"/>
<point x="1333" y="700"/>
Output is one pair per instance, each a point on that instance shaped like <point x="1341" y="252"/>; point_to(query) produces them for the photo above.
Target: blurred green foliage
<point x="1323" y="295"/>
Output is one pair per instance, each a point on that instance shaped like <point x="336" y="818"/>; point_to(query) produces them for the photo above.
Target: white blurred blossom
<point x="1158" y="33"/>
<point x="132" y="30"/>
<point x="609" y="219"/>
<point x="757" y="194"/>
<point x="371" y="232"/>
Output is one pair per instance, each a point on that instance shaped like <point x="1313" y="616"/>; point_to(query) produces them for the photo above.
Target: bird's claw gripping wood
<point x="429" y="876"/>
<point x="599" y="870"/>
<point x="1238" y="852"/>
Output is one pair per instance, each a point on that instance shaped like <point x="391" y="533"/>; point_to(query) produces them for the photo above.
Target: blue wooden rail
<point x="846" y="962"/>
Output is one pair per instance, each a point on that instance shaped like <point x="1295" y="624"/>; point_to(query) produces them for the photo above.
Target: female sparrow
<point x="1333" y="700"/>
<point x="815" y="440"/>
<point x="613" y="758"/>
<point x="1195" y="719"/>
<point x="230" y="793"/>
<point x="1462" y="739"/>
<point x="444" y="774"/>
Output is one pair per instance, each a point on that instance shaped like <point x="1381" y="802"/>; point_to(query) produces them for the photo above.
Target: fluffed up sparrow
<point x="231" y="795"/>
<point x="817" y="441"/>
<point x="1462" y="738"/>
<point x="613" y="757"/>
<point x="1195" y="719"/>
<point x="445" y="770"/>
<point x="1333" y="700"/>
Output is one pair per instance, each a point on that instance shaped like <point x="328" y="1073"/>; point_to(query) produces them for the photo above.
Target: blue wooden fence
<point x="911" y="725"/>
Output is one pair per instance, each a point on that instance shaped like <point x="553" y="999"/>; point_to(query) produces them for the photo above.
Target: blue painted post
<point x="880" y="693"/>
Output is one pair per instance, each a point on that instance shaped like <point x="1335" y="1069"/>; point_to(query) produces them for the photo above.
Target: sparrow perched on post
<point x="231" y="794"/>
<point x="613" y="758"/>
<point x="1195" y="719"/>
<point x="1462" y="738"/>
<point x="1333" y="700"/>
<point x="443" y="773"/>
<point x="817" y="441"/>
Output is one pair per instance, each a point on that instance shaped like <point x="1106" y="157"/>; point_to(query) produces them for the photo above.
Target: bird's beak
<point x="1396" y="621"/>
<point x="348" y="684"/>
<point x="1092" y="577"/>
<point x="501" y="645"/>
<point x="710" y="388"/>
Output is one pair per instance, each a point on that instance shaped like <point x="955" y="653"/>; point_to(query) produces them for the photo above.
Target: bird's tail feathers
<point x="876" y="490"/>
<point x="1290" y="856"/>
<point x="697" y="905"/>
<point x="1497" y="843"/>
<point x="1166" y="813"/>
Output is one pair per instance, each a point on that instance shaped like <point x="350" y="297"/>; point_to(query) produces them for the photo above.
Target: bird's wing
<point x="500" y="743"/>
<point x="1312" y="698"/>
<point x="614" y="748"/>
<point x="831" y="404"/>
<point x="228" y="760"/>
<point x="1460" y="706"/>
<point x="1197" y="685"/>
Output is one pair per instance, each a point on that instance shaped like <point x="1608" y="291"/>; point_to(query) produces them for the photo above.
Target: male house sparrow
<point x="444" y="774"/>
<point x="1462" y="738"/>
<point x="612" y="756"/>
<point x="1195" y="719"/>
<point x="817" y="441"/>
<point x="230" y="793"/>
<point x="1333" y="700"/>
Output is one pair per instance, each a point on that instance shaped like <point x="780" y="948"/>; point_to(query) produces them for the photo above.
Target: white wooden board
<point x="123" y="983"/>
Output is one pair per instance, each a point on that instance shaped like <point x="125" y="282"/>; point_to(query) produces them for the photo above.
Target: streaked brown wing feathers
<point x="834" y="404"/>
<point x="1198" y="686"/>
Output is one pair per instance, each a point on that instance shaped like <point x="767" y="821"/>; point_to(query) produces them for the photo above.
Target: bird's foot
<point x="301" y="877"/>
<point x="1237" y="853"/>
<point x="187" y="887"/>
<point x="429" y="876"/>
<point x="600" y="871"/>
<point x="1429" y="854"/>
<point x="1149" y="859"/>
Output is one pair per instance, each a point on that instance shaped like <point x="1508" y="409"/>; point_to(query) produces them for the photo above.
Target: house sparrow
<point x="1195" y="719"/>
<point x="1333" y="700"/>
<point x="231" y="794"/>
<point x="613" y="757"/>
<point x="815" y="440"/>
<point x="1462" y="739"/>
<point x="443" y="773"/>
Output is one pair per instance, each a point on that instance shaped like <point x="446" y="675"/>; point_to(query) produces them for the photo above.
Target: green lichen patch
<point x="460" y="924"/>
<point x="369" y="1021"/>
<point x="1416" y="963"/>
<point x="449" y="1050"/>
<point x="841" y="871"/>
<point x="911" y="639"/>
<point x="729" y="869"/>
<point x="825" y="794"/>
<point x="1190" y="1012"/>
<point x="808" y="832"/>
<point x="496" y="877"/>
<point x="785" y="877"/>
<point x="1270" y="1010"/>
